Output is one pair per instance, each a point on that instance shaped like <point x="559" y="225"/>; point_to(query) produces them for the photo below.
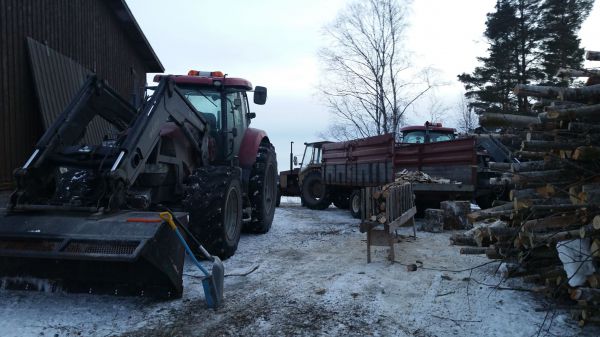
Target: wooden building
<point x="100" y="35"/>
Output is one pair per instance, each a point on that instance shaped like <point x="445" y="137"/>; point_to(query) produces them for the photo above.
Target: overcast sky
<point x="274" y="43"/>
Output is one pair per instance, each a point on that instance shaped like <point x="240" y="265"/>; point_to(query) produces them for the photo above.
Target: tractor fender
<point x="249" y="147"/>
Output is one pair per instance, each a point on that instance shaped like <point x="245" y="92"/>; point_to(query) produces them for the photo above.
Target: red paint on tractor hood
<point x="208" y="81"/>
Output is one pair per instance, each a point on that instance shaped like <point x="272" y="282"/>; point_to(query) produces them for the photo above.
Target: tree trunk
<point x="592" y="55"/>
<point x="490" y="119"/>
<point x="584" y="127"/>
<point x="586" y="153"/>
<point x="588" y="112"/>
<point x="540" y="145"/>
<point x="462" y="240"/>
<point x="565" y="94"/>
<point x="551" y="223"/>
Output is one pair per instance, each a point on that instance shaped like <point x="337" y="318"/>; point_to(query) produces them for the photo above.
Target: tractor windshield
<point x="429" y="136"/>
<point x="205" y="100"/>
<point x="312" y="155"/>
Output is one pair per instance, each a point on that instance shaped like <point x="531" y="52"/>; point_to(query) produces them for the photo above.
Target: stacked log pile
<point x="554" y="196"/>
<point x="380" y="199"/>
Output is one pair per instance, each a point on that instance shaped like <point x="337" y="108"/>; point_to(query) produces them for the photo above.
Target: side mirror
<point x="295" y="160"/>
<point x="260" y="95"/>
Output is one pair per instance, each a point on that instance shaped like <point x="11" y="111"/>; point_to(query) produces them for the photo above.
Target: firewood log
<point x="569" y="94"/>
<point x="584" y="127"/>
<point x="473" y="250"/>
<point x="551" y="223"/>
<point x="586" y="113"/>
<point x="592" y="55"/>
<point x="541" y="145"/>
<point x="586" y="153"/>
<point x="537" y="165"/>
<point x="502" y="211"/>
<point x="585" y="294"/>
<point x="537" y="240"/>
<point x="462" y="240"/>
<point x="490" y="119"/>
<point x="567" y="72"/>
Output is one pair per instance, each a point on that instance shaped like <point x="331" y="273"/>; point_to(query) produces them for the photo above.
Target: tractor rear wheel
<point x="314" y="194"/>
<point x="213" y="199"/>
<point x="263" y="190"/>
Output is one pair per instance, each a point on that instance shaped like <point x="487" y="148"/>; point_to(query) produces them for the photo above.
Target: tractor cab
<point x="223" y="102"/>
<point x="427" y="133"/>
<point x="313" y="155"/>
<point x="290" y="181"/>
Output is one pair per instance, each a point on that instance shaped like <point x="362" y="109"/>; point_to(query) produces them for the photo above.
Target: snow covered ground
<point x="312" y="279"/>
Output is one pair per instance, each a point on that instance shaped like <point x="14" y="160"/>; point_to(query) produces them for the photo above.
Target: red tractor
<point x="85" y="210"/>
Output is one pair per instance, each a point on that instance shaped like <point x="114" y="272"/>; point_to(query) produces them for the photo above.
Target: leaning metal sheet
<point x="57" y="80"/>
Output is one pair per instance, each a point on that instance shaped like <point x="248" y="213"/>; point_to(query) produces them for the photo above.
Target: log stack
<point x="554" y="196"/>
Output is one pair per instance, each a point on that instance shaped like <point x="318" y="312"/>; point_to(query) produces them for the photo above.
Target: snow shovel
<point x="211" y="282"/>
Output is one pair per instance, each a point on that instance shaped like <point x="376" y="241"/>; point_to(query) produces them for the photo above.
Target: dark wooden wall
<point x="88" y="31"/>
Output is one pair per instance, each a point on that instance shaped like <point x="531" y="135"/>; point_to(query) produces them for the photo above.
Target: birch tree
<point x="368" y="82"/>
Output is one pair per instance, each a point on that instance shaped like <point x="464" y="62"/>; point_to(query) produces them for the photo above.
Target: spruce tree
<point x="529" y="40"/>
<point x="560" y="46"/>
<point x="514" y="37"/>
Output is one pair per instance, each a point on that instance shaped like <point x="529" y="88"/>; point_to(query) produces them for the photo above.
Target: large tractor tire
<point x="213" y="199"/>
<point x="355" y="204"/>
<point x="314" y="194"/>
<point x="263" y="190"/>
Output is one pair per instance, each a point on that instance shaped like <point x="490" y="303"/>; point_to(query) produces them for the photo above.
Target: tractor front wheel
<point x="213" y="199"/>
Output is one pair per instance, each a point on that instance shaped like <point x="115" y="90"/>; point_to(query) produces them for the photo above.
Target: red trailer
<point x="351" y="165"/>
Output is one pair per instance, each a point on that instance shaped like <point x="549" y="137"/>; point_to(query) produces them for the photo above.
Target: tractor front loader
<point x="85" y="214"/>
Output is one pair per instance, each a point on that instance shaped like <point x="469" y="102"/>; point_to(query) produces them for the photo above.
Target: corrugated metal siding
<point x="86" y="31"/>
<point x="58" y="79"/>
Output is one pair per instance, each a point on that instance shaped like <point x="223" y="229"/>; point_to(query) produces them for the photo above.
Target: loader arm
<point x="166" y="104"/>
<point x="75" y="167"/>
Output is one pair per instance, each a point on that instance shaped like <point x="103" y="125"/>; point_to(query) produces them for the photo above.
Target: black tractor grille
<point x="102" y="247"/>
<point x="29" y="245"/>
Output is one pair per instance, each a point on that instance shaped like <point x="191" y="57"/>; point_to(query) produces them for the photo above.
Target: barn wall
<point x="88" y="31"/>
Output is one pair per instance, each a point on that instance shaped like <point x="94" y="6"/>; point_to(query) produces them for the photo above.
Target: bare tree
<point x="435" y="109"/>
<point x="467" y="119"/>
<point x="368" y="83"/>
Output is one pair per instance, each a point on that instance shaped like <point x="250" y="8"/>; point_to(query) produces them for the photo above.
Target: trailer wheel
<point x="314" y="194"/>
<point x="263" y="190"/>
<point x="355" y="204"/>
<point x="213" y="199"/>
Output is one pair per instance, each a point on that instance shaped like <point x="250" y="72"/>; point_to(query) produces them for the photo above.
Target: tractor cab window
<point x="312" y="155"/>
<point x="236" y="110"/>
<point x="414" y="137"/>
<point x="422" y="136"/>
<point x="440" y="136"/>
<point x="206" y="101"/>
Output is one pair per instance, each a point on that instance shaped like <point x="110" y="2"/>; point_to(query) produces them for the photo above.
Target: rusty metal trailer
<point x="349" y="166"/>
